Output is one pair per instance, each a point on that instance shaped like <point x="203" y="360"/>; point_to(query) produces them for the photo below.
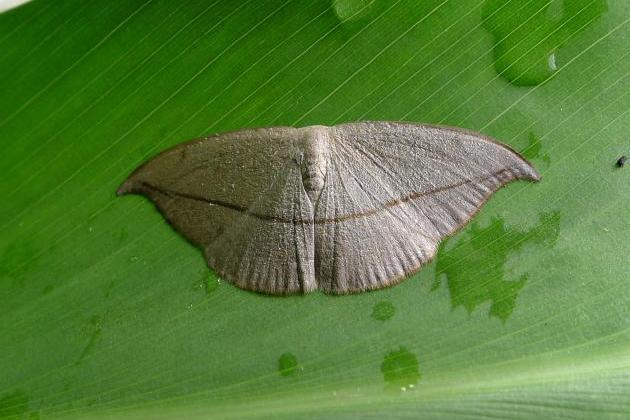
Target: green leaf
<point x="106" y="311"/>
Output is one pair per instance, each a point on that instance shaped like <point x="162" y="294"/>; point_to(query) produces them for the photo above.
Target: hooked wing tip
<point x="127" y="187"/>
<point x="531" y="174"/>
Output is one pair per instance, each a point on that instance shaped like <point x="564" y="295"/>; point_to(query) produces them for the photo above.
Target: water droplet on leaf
<point x="352" y="10"/>
<point x="383" y="310"/>
<point x="401" y="368"/>
<point x="527" y="34"/>
<point x="288" y="364"/>
<point x="475" y="266"/>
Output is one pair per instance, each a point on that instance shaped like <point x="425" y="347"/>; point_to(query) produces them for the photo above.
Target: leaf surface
<point x="107" y="312"/>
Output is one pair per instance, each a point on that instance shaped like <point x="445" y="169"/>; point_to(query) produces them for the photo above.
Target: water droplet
<point x="90" y="229"/>
<point x="551" y="62"/>
<point x="212" y="283"/>
<point x="352" y="10"/>
<point x="401" y="369"/>
<point x="475" y="267"/>
<point x="383" y="310"/>
<point x="288" y="364"/>
<point x="534" y="149"/>
<point x="555" y="10"/>
<point x="208" y="282"/>
<point x="527" y="34"/>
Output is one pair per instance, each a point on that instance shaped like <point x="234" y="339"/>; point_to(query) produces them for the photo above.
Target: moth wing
<point x="393" y="191"/>
<point x="270" y="247"/>
<point x="236" y="196"/>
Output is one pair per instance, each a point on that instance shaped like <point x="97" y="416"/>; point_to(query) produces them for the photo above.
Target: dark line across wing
<point x="387" y="204"/>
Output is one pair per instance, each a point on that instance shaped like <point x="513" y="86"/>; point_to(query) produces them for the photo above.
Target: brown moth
<point x="344" y="209"/>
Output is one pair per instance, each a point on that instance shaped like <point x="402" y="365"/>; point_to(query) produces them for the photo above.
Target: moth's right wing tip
<point x="523" y="168"/>
<point x="528" y="172"/>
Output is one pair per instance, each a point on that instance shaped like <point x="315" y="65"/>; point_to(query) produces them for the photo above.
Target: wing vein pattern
<point x="344" y="209"/>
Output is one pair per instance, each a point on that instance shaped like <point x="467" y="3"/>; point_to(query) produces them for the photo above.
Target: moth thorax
<point x="314" y="146"/>
<point x="313" y="176"/>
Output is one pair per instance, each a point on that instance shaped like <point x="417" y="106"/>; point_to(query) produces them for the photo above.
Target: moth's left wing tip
<point x="129" y="186"/>
<point x="135" y="183"/>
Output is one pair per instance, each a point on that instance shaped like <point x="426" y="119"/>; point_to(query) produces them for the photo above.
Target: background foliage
<point x="107" y="312"/>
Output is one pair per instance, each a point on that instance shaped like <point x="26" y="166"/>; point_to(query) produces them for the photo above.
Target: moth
<point x="343" y="209"/>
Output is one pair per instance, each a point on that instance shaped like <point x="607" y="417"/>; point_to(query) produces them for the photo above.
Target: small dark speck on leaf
<point x="621" y="162"/>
